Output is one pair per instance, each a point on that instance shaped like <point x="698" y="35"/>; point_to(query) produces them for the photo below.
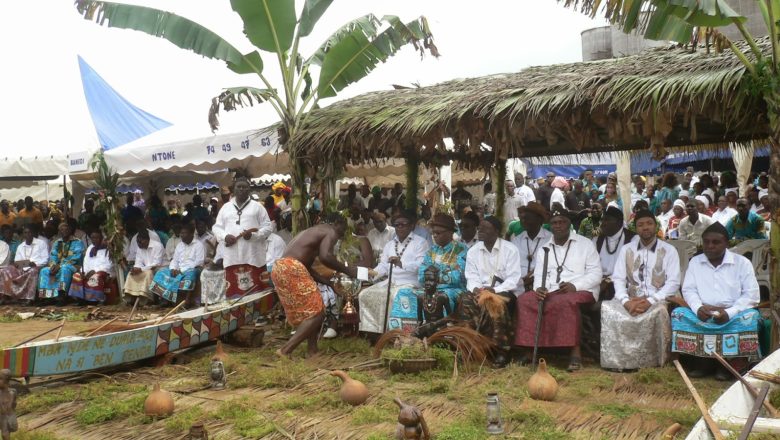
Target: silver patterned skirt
<point x="373" y="306"/>
<point x="629" y="342"/>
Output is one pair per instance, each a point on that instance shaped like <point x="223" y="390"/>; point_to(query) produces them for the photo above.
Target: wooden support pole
<point x="705" y="412"/>
<point x="751" y="389"/>
<point x="104" y="325"/>
<point x="38" y="335"/>
<point x="760" y="398"/>
<point x="132" y="312"/>
<point x="62" y="326"/>
<point x="178" y="306"/>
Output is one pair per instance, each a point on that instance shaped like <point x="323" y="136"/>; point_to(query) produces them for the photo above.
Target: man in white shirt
<point x="131" y="250"/>
<point x="492" y="276"/>
<point x="724" y="213"/>
<point x="665" y="215"/>
<point x="203" y="235"/>
<point x="19" y="281"/>
<point x="692" y="227"/>
<point x="530" y="241"/>
<point x="275" y="250"/>
<point x="722" y="292"/>
<point x="522" y="190"/>
<point x="571" y="278"/>
<point x="511" y="203"/>
<point x="148" y="258"/>
<point x="182" y="273"/>
<point x="90" y="282"/>
<point x="381" y="234"/>
<point x="173" y="240"/>
<point x="402" y="255"/>
<point x="613" y="236"/>
<point x="635" y="330"/>
<point x="243" y="225"/>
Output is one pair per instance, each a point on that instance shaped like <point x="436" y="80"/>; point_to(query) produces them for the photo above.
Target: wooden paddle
<point x="751" y="389"/>
<point x="39" y="335"/>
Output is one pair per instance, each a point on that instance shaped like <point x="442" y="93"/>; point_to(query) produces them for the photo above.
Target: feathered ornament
<point x="493" y="303"/>
<point x="472" y="345"/>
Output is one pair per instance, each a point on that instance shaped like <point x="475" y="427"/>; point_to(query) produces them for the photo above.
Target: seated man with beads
<point x="613" y="236"/>
<point x="533" y="216"/>
<point x="571" y="279"/>
<point x="722" y="292"/>
<point x="635" y="330"/>
<point x="492" y="272"/>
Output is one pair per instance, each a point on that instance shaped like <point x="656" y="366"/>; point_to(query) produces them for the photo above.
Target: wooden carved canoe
<point x="74" y="354"/>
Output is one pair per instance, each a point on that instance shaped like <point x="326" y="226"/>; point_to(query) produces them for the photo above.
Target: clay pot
<point x="542" y="386"/>
<point x="159" y="403"/>
<point x="353" y="392"/>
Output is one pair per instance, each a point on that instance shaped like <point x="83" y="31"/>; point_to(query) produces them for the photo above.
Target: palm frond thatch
<point x="663" y="97"/>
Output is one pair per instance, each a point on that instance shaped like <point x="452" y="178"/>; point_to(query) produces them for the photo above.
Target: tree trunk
<point x="501" y="194"/>
<point x="774" y="238"/>
<point x="412" y="181"/>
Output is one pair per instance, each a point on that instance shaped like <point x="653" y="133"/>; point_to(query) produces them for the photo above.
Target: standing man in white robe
<point x="243" y="225"/>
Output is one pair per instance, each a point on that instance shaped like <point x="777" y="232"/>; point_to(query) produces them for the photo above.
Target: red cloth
<point x="244" y="279"/>
<point x="561" y="323"/>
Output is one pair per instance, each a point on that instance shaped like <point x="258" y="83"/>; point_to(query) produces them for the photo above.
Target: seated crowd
<point x="562" y="246"/>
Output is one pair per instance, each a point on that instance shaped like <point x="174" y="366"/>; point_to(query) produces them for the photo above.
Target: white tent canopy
<point x="252" y="150"/>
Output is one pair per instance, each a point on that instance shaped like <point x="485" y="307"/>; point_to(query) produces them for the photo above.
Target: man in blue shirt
<point x="746" y="224"/>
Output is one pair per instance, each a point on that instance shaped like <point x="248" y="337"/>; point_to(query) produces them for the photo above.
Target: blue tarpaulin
<point x="117" y="121"/>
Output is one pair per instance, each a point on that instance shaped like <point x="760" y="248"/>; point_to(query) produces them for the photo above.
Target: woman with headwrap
<point x="678" y="208"/>
<point x="559" y="185"/>
<point x="90" y="282"/>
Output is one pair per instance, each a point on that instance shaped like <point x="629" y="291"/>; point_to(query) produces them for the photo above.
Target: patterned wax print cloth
<point x="92" y="289"/>
<point x="68" y="256"/>
<point x="297" y="290"/>
<point x="18" y="284"/>
<point x="168" y="286"/>
<point x="736" y="338"/>
<point x="243" y="279"/>
<point x="451" y="262"/>
<point x="212" y="286"/>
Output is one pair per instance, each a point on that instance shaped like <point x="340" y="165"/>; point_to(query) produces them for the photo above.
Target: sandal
<point x="574" y="365"/>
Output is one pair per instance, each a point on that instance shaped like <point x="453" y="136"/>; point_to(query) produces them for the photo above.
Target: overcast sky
<point x="44" y="111"/>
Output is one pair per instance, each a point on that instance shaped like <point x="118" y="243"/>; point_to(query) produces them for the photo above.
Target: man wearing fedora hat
<point x="531" y="239"/>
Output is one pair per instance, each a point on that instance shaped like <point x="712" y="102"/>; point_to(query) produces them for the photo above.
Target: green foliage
<point x="182" y="419"/>
<point x="104" y="409"/>
<point x="345" y="345"/>
<point x="461" y="431"/>
<point x="247" y="421"/>
<point x="41" y="400"/>
<point x="617" y="410"/>
<point x="8" y="318"/>
<point x="34" y="435"/>
<point x="370" y="414"/>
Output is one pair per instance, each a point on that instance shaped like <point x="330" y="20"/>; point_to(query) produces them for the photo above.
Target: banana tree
<point x="276" y="29"/>
<point x="685" y="21"/>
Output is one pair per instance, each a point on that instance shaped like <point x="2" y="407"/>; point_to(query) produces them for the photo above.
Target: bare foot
<point x="282" y="355"/>
<point x="312" y="354"/>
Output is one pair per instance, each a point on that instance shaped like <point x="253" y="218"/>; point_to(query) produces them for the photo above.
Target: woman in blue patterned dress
<point x="450" y="258"/>
<point x="65" y="259"/>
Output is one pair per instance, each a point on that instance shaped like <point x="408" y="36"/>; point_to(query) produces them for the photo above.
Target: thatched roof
<point x="663" y="97"/>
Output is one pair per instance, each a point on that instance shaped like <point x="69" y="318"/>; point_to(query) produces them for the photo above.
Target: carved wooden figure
<point x="411" y="423"/>
<point x="8" y="423"/>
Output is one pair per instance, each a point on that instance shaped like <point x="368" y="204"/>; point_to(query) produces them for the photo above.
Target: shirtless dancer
<point x="296" y="282"/>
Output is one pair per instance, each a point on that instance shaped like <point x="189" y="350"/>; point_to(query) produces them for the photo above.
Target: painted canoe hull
<point x="75" y="354"/>
<point x="736" y="402"/>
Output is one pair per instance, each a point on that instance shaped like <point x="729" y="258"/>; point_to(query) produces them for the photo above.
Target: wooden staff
<point x="132" y="312"/>
<point x="178" y="306"/>
<point x="751" y="389"/>
<point x="760" y="398"/>
<point x="540" y="305"/>
<point x="104" y="325"/>
<point x="705" y="413"/>
<point x="62" y="326"/>
<point x="387" y="301"/>
<point x="38" y="336"/>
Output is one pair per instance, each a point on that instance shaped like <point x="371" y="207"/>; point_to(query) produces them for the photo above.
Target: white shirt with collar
<point x="152" y="256"/>
<point x="378" y="239"/>
<point x="663" y="220"/>
<point x="101" y="262"/>
<point x="130" y="251"/>
<point x="37" y="252"/>
<point x="525" y="193"/>
<point x="557" y="197"/>
<point x="723" y="216"/>
<point x="469" y="244"/>
<point x="412" y="252"/>
<point x="275" y="250"/>
<point x="502" y="261"/>
<point x="581" y="267"/>
<point x="653" y="278"/>
<point x="510" y="208"/>
<point x="693" y="231"/>
<point x="188" y="256"/>
<point x="170" y="247"/>
<point x="612" y="243"/>
<point x="732" y="285"/>
<point x="253" y="216"/>
<point x="527" y="246"/>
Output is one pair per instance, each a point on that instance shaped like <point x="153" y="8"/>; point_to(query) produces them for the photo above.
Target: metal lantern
<point x="493" y="412"/>
<point x="217" y="374"/>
